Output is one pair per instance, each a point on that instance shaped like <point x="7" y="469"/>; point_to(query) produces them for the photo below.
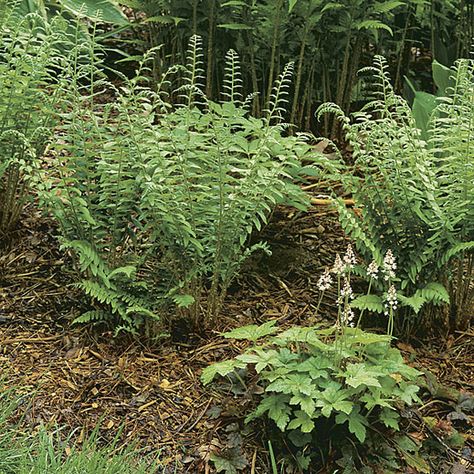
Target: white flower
<point x="349" y="257"/>
<point x="348" y="316"/>
<point x="391" y="302"/>
<point x="338" y="267"/>
<point x="389" y="265"/>
<point x="325" y="281"/>
<point x="346" y="291"/>
<point x="373" y="270"/>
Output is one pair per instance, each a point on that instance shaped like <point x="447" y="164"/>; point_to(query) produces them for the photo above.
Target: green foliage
<point x="27" y="58"/>
<point x="106" y="11"/>
<point x="328" y="41"/>
<point x="424" y="104"/>
<point x="415" y="196"/>
<point x="355" y="382"/>
<point x="56" y="452"/>
<point x="172" y="194"/>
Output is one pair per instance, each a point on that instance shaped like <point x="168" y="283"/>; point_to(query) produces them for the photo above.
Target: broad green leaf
<point x="409" y="394"/>
<point x="389" y="418"/>
<point x="334" y="398"/>
<point x="360" y="374"/>
<point x="357" y="424"/>
<point x="306" y="335"/>
<point x="261" y="358"/>
<point x="443" y="78"/>
<point x="220" y="368"/>
<point x="252" y="332"/>
<point x="102" y="10"/>
<point x="292" y="384"/>
<point x="277" y="408"/>
<point x="373" y="399"/>
<point x="302" y="421"/>
<point x="307" y="404"/>
<point x="357" y="336"/>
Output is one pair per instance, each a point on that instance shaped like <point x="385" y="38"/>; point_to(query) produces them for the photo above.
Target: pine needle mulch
<point x="150" y="393"/>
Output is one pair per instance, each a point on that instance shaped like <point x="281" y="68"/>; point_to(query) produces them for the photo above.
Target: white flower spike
<point x="389" y="265"/>
<point x="391" y="303"/>
<point x="349" y="257"/>
<point x="325" y="281"/>
<point x="338" y="267"/>
<point x="373" y="270"/>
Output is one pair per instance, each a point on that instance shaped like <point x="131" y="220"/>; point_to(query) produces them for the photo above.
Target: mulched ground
<point x="78" y="378"/>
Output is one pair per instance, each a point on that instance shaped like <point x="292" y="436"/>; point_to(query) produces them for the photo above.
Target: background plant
<point x="329" y="41"/>
<point x="415" y="196"/>
<point x="28" y="57"/>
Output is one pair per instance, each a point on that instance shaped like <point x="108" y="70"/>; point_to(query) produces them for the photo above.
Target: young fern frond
<point x="194" y="73"/>
<point x="279" y="95"/>
<point x="232" y="85"/>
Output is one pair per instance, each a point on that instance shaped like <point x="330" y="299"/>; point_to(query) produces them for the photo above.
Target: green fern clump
<point x="27" y="58"/>
<point x="415" y="196"/>
<point x="173" y="192"/>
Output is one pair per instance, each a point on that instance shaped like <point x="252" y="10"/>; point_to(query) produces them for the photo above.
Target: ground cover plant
<point x="316" y="383"/>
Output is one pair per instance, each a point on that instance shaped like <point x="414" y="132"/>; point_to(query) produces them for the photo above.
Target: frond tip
<point x="280" y="92"/>
<point x="232" y="86"/>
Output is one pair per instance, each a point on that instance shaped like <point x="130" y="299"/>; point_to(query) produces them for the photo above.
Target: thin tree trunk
<point x="276" y="35"/>
<point x="210" y="48"/>
<point x="299" y="74"/>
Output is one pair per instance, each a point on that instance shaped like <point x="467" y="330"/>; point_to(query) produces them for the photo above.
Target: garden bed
<point x="79" y="378"/>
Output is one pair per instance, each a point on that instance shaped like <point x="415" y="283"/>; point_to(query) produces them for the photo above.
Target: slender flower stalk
<point x="391" y="305"/>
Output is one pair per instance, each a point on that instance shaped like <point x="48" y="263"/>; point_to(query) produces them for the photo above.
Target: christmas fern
<point x="415" y="197"/>
<point x="158" y="202"/>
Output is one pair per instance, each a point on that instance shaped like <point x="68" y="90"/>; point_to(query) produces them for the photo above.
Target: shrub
<point x="414" y="196"/>
<point x="158" y="202"/>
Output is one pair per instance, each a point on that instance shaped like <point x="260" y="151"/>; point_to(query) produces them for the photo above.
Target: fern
<point x="194" y="77"/>
<point x="27" y="57"/>
<point x="415" y="197"/>
<point x="157" y="203"/>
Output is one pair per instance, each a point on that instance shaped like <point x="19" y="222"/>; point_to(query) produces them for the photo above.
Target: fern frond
<point x="232" y="84"/>
<point x="279" y="95"/>
<point x="194" y="77"/>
